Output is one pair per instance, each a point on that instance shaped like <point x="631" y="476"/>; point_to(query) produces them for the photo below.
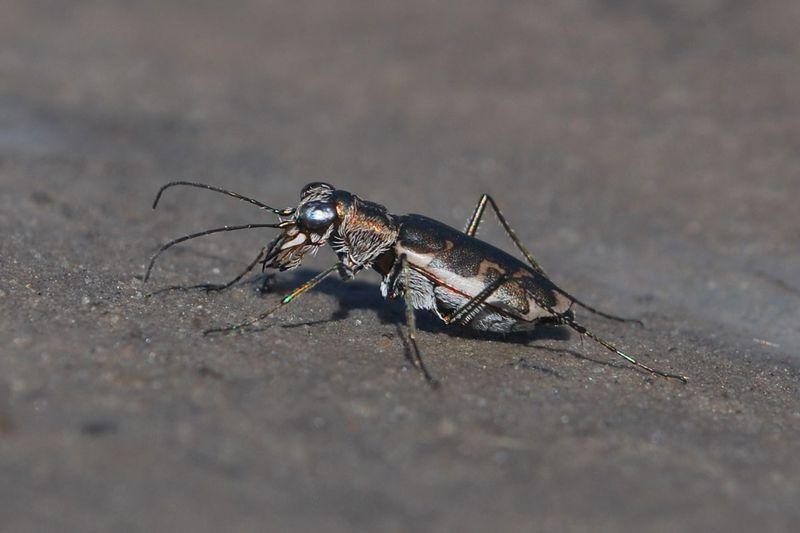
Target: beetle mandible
<point x="431" y="265"/>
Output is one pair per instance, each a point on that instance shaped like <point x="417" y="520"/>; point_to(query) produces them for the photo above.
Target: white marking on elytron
<point x="471" y="286"/>
<point x="300" y="239"/>
<point x="415" y="258"/>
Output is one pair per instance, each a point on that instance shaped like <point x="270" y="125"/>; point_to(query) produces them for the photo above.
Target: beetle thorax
<point x="365" y="231"/>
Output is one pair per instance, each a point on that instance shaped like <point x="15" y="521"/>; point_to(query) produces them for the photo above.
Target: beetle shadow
<point x="361" y="295"/>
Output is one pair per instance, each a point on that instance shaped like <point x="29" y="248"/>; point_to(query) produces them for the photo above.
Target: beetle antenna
<point x="179" y="240"/>
<point x="281" y="212"/>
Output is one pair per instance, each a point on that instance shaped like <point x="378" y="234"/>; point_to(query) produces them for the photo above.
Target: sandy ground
<point x="647" y="152"/>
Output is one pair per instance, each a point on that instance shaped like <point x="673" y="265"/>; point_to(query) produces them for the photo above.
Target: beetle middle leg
<point x="472" y="305"/>
<point x="472" y="228"/>
<point x="411" y="323"/>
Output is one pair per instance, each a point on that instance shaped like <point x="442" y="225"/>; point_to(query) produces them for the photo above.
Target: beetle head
<point x="309" y="228"/>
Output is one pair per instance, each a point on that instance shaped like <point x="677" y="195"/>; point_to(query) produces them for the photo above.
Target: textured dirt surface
<point x="647" y="152"/>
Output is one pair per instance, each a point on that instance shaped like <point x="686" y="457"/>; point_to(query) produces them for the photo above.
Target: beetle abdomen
<point x="458" y="267"/>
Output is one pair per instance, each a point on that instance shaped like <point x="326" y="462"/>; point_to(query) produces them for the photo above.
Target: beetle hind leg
<point x="566" y="319"/>
<point x="545" y="321"/>
<point x="472" y="228"/>
<point x="610" y="347"/>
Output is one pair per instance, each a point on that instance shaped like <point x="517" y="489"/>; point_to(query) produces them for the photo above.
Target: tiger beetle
<point x="432" y="266"/>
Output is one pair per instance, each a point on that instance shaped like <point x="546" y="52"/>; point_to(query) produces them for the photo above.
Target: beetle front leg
<point x="209" y="287"/>
<point x="345" y="272"/>
<point x="284" y="301"/>
<point x="411" y="324"/>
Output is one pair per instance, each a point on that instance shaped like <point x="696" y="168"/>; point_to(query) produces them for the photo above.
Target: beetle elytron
<point x="435" y="267"/>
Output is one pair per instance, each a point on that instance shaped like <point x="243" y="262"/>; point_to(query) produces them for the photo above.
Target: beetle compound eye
<point x="317" y="215"/>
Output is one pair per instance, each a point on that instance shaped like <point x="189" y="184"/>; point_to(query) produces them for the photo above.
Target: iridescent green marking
<point x="285" y="300"/>
<point x="288" y="298"/>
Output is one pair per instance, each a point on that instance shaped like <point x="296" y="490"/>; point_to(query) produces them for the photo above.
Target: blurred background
<point x="647" y="152"/>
